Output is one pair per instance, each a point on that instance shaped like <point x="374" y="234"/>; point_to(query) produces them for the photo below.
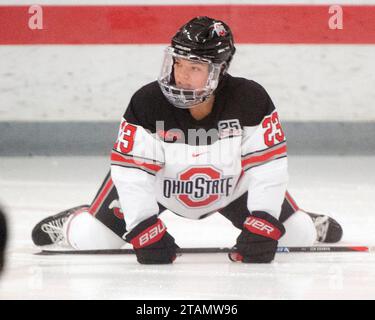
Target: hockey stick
<point x="314" y="249"/>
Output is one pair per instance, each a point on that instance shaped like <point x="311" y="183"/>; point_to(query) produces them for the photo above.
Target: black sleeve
<point x="135" y="114"/>
<point x="141" y="108"/>
<point x="258" y="103"/>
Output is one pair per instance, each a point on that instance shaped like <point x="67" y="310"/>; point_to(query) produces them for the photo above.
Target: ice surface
<point x="32" y="188"/>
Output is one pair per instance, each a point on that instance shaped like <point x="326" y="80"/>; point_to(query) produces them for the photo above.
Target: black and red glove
<point x="257" y="243"/>
<point x="152" y="243"/>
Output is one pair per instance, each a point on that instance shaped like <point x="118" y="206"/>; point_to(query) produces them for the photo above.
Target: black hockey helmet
<point x="202" y="39"/>
<point x="206" y="38"/>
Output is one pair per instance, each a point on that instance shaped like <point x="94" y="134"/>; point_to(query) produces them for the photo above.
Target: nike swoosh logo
<point x="194" y="155"/>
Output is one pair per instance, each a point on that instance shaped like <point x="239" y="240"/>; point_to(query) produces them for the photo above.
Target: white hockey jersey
<point x="196" y="167"/>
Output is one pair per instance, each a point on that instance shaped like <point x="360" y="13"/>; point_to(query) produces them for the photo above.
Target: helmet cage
<point x="187" y="98"/>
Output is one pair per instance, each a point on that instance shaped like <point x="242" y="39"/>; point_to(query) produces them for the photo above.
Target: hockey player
<point x="195" y="142"/>
<point x="3" y="239"/>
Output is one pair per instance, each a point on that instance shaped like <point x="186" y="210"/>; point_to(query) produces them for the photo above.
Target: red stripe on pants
<point x="101" y="197"/>
<point x="291" y="201"/>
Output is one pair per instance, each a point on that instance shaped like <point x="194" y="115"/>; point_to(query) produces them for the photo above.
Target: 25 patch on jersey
<point x="229" y="128"/>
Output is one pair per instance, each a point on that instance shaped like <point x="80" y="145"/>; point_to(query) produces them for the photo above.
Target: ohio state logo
<point x="219" y="29"/>
<point x="198" y="186"/>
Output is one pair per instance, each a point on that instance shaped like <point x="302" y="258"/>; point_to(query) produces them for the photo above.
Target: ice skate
<point x="328" y="229"/>
<point x="50" y="230"/>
